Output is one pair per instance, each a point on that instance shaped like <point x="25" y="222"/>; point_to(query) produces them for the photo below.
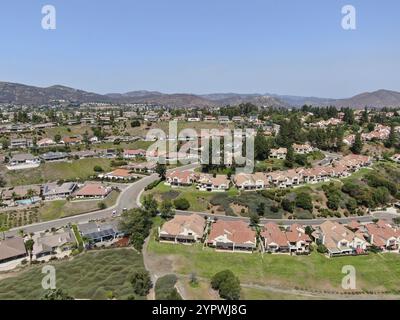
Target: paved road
<point x="127" y="199"/>
<point x="369" y="218"/>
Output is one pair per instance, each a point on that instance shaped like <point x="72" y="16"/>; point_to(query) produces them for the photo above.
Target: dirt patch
<point x="239" y="209"/>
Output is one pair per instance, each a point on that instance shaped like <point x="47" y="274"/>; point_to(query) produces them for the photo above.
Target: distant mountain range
<point x="24" y="94"/>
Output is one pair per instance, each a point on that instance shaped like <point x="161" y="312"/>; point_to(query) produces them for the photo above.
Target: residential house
<point x="302" y="148"/>
<point x="54" y="156"/>
<point x="299" y="241"/>
<point x="72" y="141"/>
<point x="383" y="235"/>
<point x="207" y="182"/>
<point x="274" y="239"/>
<point x="24" y="159"/>
<point x="118" y="174"/>
<point x="20" y="143"/>
<point x="183" y="229"/>
<point x="12" y="249"/>
<point x="180" y="178"/>
<point x="279" y="153"/>
<point x="232" y="235"/>
<point x="84" y="154"/>
<point x="246" y="181"/>
<point x="93" y="191"/>
<point x="46" y="142"/>
<point x="223" y="119"/>
<point x="143" y="167"/>
<point x="133" y="154"/>
<point x="97" y="232"/>
<point x="52" y="191"/>
<point x="340" y="240"/>
<point x="52" y="243"/>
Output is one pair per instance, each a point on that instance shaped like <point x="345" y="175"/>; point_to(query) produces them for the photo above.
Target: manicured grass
<point x="53" y="171"/>
<point x="62" y="208"/>
<point x="88" y="276"/>
<point x="374" y="272"/>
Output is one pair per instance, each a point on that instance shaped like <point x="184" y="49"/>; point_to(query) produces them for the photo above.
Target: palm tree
<point x="30" y="194"/>
<point x="3" y="230"/>
<point x="29" y="247"/>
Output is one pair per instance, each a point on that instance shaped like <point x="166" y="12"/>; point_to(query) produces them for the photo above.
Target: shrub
<point x="165" y="288"/>
<point x="304" y="201"/>
<point x="322" y="249"/>
<point x="97" y="169"/>
<point x="141" y="283"/>
<point x="181" y="204"/>
<point x="227" y="284"/>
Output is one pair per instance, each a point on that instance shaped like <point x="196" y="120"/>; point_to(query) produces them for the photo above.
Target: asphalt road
<point x="129" y="198"/>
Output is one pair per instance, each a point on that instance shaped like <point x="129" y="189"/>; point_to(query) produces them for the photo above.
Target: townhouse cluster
<point x="294" y="177"/>
<point x="238" y="236"/>
<point x="263" y="180"/>
<point x="31" y="194"/>
<point x="60" y="242"/>
<point x="380" y="132"/>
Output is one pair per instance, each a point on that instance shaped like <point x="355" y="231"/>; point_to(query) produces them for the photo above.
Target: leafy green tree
<point x="261" y="147"/>
<point x="287" y="205"/>
<point x="254" y="219"/>
<point x="135" y="123"/>
<point x="150" y="205"/>
<point x="304" y="201"/>
<point x="322" y="249"/>
<point x="167" y="209"/>
<point x="261" y="209"/>
<point x="227" y="284"/>
<point x="181" y="204"/>
<point x="141" y="283"/>
<point x="357" y="145"/>
<point x="391" y="141"/>
<point x="56" y="294"/>
<point x="136" y="223"/>
<point x="161" y="170"/>
<point x="289" y="161"/>
<point x="29" y="247"/>
<point x="57" y="138"/>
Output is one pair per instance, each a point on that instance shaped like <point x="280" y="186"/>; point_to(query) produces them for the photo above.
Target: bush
<point x="227" y="284"/>
<point x="181" y="204"/>
<point x="322" y="249"/>
<point x="141" y="283"/>
<point x="102" y="205"/>
<point x="165" y="288"/>
<point x="152" y="185"/>
<point x="304" y="201"/>
<point x="98" y="169"/>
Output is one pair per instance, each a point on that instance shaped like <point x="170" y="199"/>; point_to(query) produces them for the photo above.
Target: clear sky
<point x="203" y="46"/>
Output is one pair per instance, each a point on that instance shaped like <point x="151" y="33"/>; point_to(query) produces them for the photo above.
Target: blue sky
<point x="282" y="46"/>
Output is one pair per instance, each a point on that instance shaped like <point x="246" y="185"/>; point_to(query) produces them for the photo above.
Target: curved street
<point x="130" y="198"/>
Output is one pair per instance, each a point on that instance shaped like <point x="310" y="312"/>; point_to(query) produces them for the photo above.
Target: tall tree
<point x="358" y="144"/>
<point x="391" y="141"/>
<point x="261" y="147"/>
<point x="290" y="159"/>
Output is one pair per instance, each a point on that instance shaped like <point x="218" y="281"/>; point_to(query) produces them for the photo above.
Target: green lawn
<point x="53" y="171"/>
<point x="88" y="276"/>
<point x="374" y="272"/>
<point x="61" y="208"/>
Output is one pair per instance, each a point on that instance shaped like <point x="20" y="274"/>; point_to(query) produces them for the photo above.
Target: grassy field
<point x="91" y="275"/>
<point x="374" y="272"/>
<point x="61" y="208"/>
<point x="199" y="200"/>
<point x="53" y="171"/>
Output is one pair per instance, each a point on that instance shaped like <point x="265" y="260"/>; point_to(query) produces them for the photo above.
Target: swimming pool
<point x="27" y="202"/>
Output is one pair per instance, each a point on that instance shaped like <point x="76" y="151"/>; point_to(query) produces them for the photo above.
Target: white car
<point x="114" y="212"/>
